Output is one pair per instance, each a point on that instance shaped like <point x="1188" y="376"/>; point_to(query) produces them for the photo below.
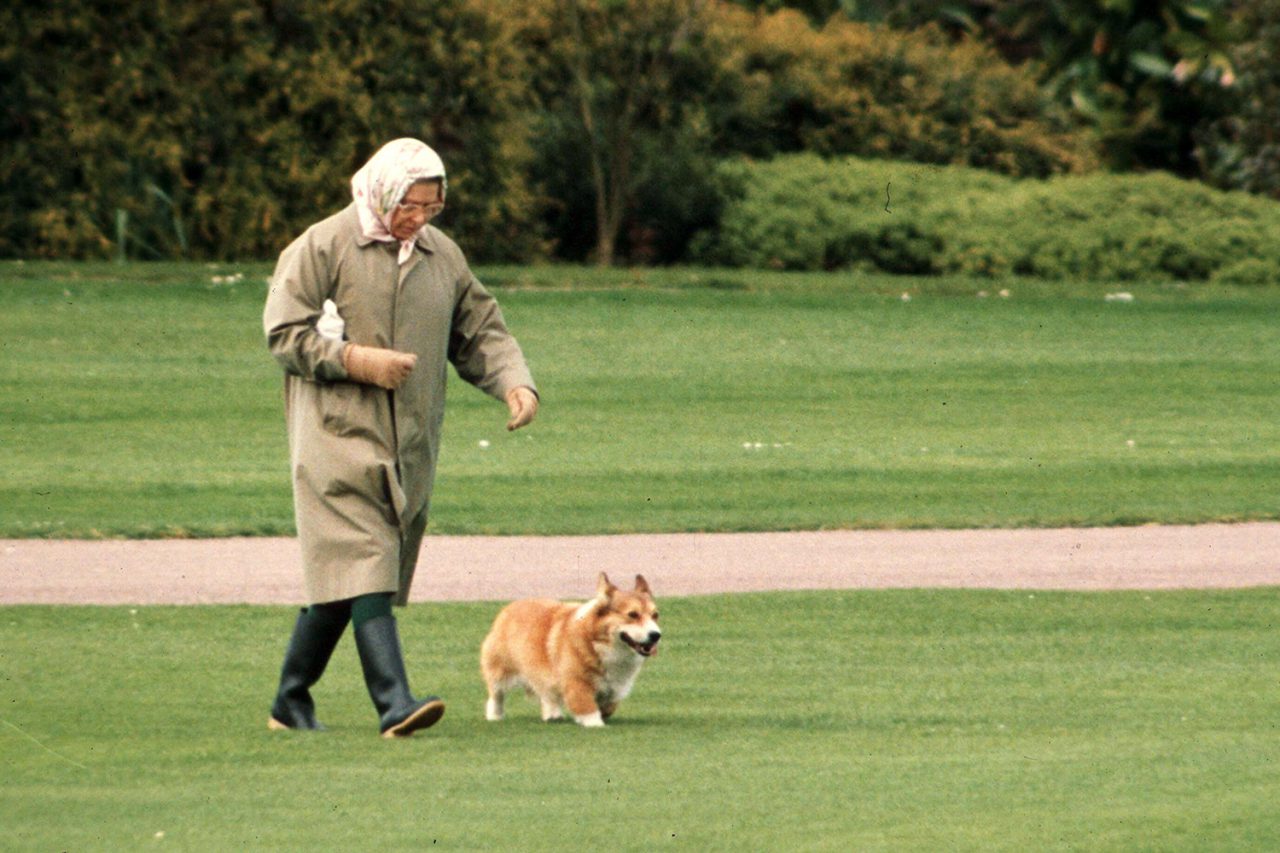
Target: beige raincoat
<point x="364" y="458"/>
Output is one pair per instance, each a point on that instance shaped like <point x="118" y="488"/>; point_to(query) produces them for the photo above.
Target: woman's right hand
<point x="385" y="368"/>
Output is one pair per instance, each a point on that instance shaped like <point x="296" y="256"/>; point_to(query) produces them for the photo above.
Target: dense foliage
<point x="802" y="212"/>
<point x="1142" y="75"/>
<point x="578" y="129"/>
<point x="1242" y="149"/>
<point x="849" y="88"/>
<point x="221" y="128"/>
<point x="641" y="105"/>
<point x="620" y="129"/>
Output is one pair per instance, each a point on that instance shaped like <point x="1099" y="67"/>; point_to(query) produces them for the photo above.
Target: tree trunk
<point x="609" y="140"/>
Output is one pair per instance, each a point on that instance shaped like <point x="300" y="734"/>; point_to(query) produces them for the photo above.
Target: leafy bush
<point x="223" y="128"/>
<point x="1123" y="228"/>
<point x="1250" y="271"/>
<point x="851" y="88"/>
<point x="803" y="212"/>
<point x="1241" y="150"/>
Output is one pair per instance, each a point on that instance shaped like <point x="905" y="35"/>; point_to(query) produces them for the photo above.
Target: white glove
<point x="331" y="325"/>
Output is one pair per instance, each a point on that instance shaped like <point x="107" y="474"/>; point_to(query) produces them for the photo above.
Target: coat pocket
<point x="351" y="409"/>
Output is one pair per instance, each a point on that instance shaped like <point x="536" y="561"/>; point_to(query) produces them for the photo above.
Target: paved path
<point x="453" y="568"/>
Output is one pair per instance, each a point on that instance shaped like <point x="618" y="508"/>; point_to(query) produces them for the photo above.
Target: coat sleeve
<point x="480" y="346"/>
<point x="302" y="280"/>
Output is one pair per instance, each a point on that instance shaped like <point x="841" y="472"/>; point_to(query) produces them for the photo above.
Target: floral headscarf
<point x="382" y="182"/>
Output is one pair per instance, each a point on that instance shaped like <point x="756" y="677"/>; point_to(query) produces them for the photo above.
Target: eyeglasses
<point x="431" y="210"/>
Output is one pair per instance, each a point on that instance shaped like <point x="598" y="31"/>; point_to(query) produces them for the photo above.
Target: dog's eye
<point x="633" y="615"/>
<point x="655" y="616"/>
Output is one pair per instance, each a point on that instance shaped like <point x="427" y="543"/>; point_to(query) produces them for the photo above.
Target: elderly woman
<point x="364" y="313"/>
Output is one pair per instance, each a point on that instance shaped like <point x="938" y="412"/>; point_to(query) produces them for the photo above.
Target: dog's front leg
<point x="550" y="708"/>
<point x="580" y="699"/>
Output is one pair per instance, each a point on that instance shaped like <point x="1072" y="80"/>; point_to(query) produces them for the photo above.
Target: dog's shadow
<point x="634" y="722"/>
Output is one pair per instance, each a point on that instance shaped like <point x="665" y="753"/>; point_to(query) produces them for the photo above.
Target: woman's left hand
<point x="523" y="404"/>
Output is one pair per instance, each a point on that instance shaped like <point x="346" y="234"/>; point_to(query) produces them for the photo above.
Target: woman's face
<point x="420" y="204"/>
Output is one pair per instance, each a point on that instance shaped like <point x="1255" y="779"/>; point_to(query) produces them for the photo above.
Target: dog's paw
<point x="493" y="711"/>
<point x="591" y="721"/>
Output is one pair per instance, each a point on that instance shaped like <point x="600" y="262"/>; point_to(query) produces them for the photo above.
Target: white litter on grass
<point x="483" y="444"/>
<point x="1131" y="443"/>
<point x="1004" y="294"/>
<point x="906" y="297"/>
<point x="1118" y="297"/>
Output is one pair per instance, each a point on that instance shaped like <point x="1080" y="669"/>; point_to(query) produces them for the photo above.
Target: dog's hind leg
<point x="494" y="709"/>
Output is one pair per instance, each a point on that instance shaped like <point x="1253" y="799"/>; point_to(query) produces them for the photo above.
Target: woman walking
<point x="365" y="312"/>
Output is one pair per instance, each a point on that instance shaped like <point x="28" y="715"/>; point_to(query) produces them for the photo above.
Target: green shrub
<point x="223" y="128"/>
<point x="1250" y="271"/>
<point x="803" y="212"/>
<point x="851" y="88"/>
<point x="1122" y="227"/>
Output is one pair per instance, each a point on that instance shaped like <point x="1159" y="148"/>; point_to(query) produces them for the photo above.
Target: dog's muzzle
<point x="648" y="648"/>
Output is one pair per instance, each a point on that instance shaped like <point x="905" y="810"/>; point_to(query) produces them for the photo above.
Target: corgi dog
<point x="582" y="657"/>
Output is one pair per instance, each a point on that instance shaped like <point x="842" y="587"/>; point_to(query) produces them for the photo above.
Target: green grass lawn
<point x="140" y="400"/>
<point x="870" y="720"/>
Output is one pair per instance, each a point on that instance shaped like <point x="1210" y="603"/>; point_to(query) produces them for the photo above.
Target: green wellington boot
<point x="378" y="642"/>
<point x="315" y="634"/>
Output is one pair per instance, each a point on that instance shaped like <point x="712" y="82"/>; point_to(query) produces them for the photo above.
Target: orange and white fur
<point x="583" y="657"/>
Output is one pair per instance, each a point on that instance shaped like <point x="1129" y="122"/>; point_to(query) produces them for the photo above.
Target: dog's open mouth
<point x="642" y="649"/>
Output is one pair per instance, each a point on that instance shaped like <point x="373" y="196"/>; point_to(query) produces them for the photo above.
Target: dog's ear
<point x="604" y="595"/>
<point x="642" y="585"/>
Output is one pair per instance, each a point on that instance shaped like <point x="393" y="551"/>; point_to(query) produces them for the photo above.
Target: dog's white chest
<point x="621" y="666"/>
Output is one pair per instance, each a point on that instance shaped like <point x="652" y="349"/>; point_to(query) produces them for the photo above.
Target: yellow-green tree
<point x="222" y="128"/>
<point x="852" y="88"/>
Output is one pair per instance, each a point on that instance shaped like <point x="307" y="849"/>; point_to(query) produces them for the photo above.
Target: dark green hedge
<point x="803" y="212"/>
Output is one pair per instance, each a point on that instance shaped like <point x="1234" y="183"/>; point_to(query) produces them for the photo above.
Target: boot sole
<point x="276" y="726"/>
<point x="425" y="717"/>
